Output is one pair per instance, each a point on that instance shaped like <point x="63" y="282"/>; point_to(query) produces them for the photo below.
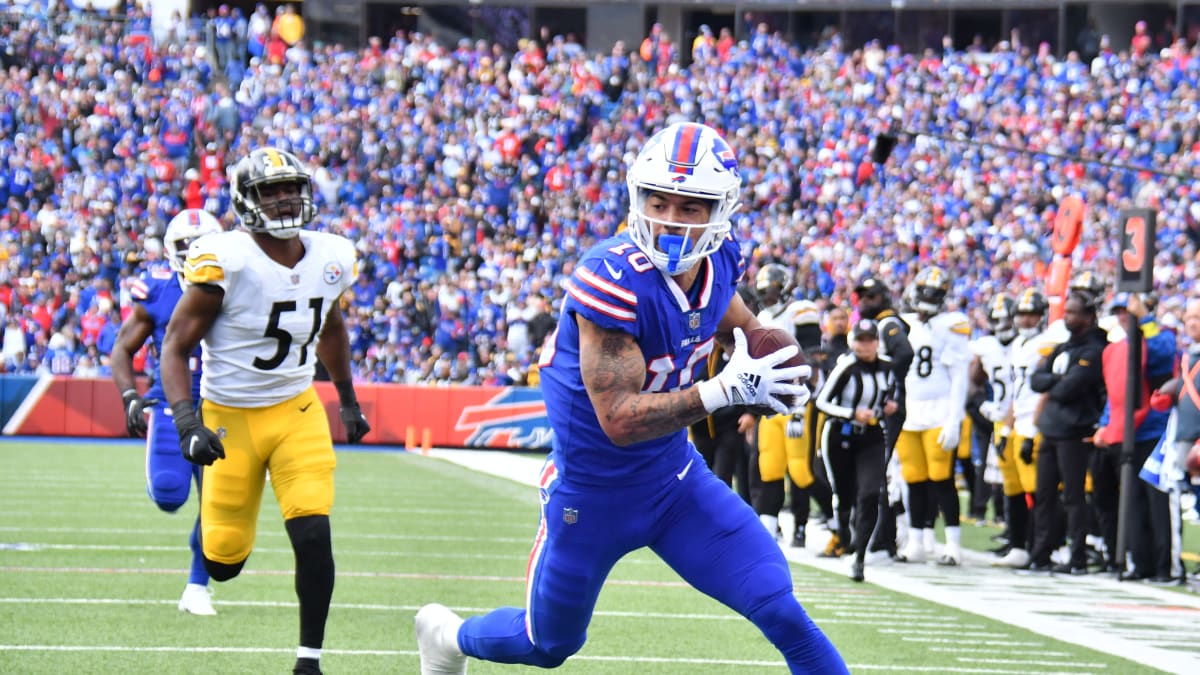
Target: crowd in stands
<point x="472" y="176"/>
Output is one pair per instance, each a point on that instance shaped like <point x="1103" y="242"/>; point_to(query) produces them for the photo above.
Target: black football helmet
<point x="279" y="216"/>
<point x="1031" y="301"/>
<point x="1001" y="311"/>
<point x="773" y="282"/>
<point x="930" y="289"/>
<point x="1090" y="283"/>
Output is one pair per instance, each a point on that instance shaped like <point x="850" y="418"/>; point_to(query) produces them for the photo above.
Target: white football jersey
<point x="1026" y="354"/>
<point x="996" y="360"/>
<point x="261" y="349"/>
<point x="940" y="346"/>
<point x="789" y="316"/>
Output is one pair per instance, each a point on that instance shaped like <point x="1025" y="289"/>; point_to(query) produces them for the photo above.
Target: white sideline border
<point x="524" y="468"/>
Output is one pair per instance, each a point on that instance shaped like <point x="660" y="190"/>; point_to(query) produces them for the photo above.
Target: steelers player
<point x="936" y="396"/>
<point x="785" y="442"/>
<point x="263" y="302"/>
<point x="1018" y="463"/>
<point x="992" y="364"/>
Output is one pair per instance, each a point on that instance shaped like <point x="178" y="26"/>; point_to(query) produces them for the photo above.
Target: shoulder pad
<point x="211" y="258"/>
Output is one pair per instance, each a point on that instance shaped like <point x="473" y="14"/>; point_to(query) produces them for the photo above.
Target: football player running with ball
<point x="263" y="302"/>
<point x="643" y="311"/>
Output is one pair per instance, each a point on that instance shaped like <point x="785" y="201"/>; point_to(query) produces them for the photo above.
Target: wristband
<point x="345" y="392"/>
<point x="184" y="412"/>
<point x="712" y="395"/>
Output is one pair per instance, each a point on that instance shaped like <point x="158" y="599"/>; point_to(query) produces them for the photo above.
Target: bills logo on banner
<point x="513" y="418"/>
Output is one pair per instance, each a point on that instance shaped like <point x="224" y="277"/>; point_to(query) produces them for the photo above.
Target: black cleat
<point x="1035" y="568"/>
<point x="856" y="570"/>
<point x="799" y="539"/>
<point x="1073" y="570"/>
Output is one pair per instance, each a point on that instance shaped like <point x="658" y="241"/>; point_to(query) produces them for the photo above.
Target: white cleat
<point x="951" y="556"/>
<point x="197" y="600"/>
<point x="437" y="641"/>
<point x="1016" y="557"/>
<point x="913" y="552"/>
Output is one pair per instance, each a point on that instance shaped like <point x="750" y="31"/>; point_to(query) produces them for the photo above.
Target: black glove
<point x="199" y="444"/>
<point x="1000" y="446"/>
<point x="352" y="415"/>
<point x="135" y="412"/>
<point x="1027" y="451"/>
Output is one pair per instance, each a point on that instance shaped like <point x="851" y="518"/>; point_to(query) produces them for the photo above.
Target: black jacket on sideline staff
<point x="1076" y="398"/>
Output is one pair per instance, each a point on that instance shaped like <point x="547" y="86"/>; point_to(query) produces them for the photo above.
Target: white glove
<point x="750" y="381"/>
<point x="992" y="410"/>
<point x="1060" y="364"/>
<point x="948" y="436"/>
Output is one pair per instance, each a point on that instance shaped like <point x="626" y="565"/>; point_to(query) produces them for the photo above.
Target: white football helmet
<point x="685" y="159"/>
<point x="187" y="226"/>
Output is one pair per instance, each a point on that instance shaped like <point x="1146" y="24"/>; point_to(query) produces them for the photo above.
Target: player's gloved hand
<point x="1027" y="451"/>
<point x="746" y="380"/>
<point x="1000" y="445"/>
<point x="949" y="435"/>
<point x="992" y="411"/>
<point x="198" y="443"/>
<point x="351" y="413"/>
<point x="135" y="412"/>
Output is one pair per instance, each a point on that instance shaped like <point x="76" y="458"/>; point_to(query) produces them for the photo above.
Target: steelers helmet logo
<point x="332" y="273"/>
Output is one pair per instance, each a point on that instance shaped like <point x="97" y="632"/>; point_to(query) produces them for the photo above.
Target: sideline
<point x="1152" y="626"/>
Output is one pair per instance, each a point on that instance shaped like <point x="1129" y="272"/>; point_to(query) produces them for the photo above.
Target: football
<point x="763" y="341"/>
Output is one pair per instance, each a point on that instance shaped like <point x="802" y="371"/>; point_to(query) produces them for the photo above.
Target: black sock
<point x="314" y="575"/>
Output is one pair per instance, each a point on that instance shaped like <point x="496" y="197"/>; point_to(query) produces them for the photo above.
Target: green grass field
<point x="90" y="573"/>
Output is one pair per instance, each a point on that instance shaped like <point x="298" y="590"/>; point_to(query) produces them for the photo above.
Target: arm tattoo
<point x="618" y="371"/>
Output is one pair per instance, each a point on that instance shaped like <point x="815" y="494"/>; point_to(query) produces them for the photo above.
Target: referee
<point x="858" y="395"/>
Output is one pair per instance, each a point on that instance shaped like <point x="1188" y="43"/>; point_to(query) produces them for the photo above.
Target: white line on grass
<point x="413" y="608"/>
<point x="1030" y="662"/>
<point x="958" y="640"/>
<point x="576" y="658"/>
<point x="988" y="650"/>
<point x="939" y="628"/>
<point x="353" y="606"/>
<point x="278" y="534"/>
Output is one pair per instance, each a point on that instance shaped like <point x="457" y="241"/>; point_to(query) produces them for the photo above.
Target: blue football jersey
<point x="158" y="290"/>
<point x="616" y="287"/>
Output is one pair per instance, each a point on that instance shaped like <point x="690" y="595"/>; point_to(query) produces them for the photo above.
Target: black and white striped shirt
<point x="854" y="384"/>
